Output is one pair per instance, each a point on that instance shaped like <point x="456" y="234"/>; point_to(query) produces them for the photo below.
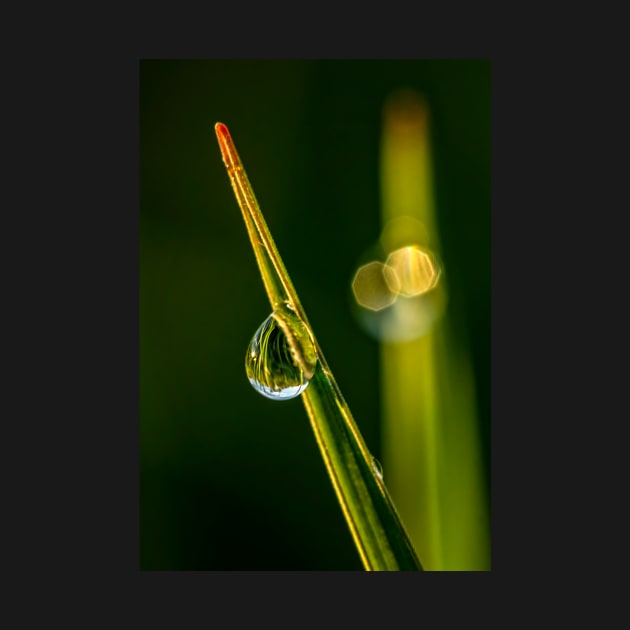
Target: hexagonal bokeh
<point x="375" y="286"/>
<point x="416" y="270"/>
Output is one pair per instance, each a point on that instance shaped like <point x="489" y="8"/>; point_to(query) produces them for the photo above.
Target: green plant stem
<point x="375" y="526"/>
<point x="378" y="533"/>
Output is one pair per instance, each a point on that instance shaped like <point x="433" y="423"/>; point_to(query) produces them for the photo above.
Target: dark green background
<point x="229" y="479"/>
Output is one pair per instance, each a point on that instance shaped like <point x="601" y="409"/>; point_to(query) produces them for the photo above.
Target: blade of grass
<point x="377" y="531"/>
<point x="408" y="371"/>
<point x="429" y="420"/>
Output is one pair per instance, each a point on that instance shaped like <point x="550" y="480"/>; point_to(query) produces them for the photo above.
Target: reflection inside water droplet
<point x="280" y="360"/>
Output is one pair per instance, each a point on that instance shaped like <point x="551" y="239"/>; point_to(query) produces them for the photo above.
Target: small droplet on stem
<point x="378" y="469"/>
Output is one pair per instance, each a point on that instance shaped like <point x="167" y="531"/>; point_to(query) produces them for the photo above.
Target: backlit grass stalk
<point x="430" y="448"/>
<point x="378" y="533"/>
<point x="408" y="368"/>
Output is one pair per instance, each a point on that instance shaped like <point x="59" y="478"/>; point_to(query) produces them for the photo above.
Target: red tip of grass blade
<point x="228" y="150"/>
<point x="221" y="130"/>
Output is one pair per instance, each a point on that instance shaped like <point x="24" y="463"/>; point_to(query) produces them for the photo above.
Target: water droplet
<point x="378" y="469"/>
<point x="281" y="359"/>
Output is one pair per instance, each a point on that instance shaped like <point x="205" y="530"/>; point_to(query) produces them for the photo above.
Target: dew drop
<point x="378" y="469"/>
<point x="280" y="359"/>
